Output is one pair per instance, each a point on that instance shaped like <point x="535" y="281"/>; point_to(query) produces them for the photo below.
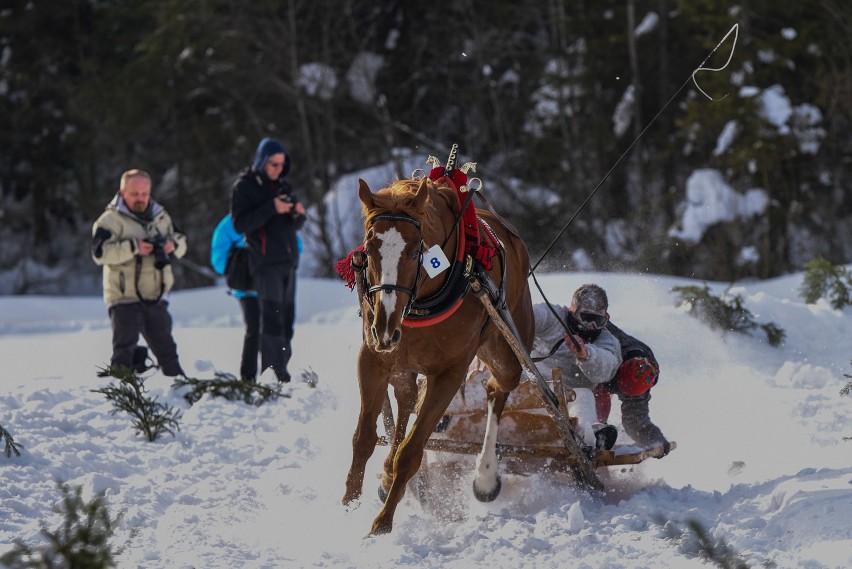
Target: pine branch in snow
<point x="11" y="445"/>
<point x="695" y="541"/>
<point x="227" y="386"/>
<point x="81" y="540"/>
<point x="716" y="551"/>
<point x="726" y="313"/>
<point x="149" y="416"/>
<point x="823" y="280"/>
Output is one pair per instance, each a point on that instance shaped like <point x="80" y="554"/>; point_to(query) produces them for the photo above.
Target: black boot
<point x="605" y="436"/>
<point x="141" y="361"/>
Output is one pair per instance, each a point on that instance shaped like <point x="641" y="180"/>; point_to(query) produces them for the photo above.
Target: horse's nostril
<point x="374" y="333"/>
<point x="395" y="337"/>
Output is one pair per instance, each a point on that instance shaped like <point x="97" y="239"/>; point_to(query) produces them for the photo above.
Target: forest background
<point x="545" y="96"/>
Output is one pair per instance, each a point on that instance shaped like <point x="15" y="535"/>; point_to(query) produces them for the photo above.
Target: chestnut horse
<point x="403" y="221"/>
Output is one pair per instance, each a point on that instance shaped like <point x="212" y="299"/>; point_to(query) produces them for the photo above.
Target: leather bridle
<point x="385" y="287"/>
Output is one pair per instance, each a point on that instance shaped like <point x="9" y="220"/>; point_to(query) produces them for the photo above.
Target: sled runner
<point x="529" y="440"/>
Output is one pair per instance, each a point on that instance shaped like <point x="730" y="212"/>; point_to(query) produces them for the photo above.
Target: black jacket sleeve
<point x="251" y="208"/>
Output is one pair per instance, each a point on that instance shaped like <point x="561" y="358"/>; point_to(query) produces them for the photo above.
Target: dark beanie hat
<point x="266" y="148"/>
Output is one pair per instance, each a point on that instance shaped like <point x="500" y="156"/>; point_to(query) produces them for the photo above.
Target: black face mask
<point x="589" y="335"/>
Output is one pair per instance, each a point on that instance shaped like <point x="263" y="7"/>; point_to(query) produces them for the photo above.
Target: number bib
<point x="435" y="262"/>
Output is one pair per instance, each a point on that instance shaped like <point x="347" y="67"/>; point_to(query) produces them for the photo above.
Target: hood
<point x="119" y="205"/>
<point x="266" y="148"/>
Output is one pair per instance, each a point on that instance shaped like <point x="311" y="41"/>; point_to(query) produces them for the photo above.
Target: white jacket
<point x="604" y="353"/>
<point x="114" y="248"/>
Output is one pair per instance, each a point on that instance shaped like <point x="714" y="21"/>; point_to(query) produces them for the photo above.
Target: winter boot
<point x="141" y="361"/>
<point x="605" y="436"/>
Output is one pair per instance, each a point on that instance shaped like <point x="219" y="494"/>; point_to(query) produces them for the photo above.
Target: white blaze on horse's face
<point x="390" y="252"/>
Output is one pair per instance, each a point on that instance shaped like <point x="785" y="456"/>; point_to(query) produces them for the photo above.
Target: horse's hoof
<point x="350" y="500"/>
<point x="380" y="528"/>
<point x="488" y="496"/>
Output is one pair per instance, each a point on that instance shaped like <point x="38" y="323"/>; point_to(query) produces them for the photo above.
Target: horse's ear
<point x="365" y="194"/>
<point x="421" y="195"/>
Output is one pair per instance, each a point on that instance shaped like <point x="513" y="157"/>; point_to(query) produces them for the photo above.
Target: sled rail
<point x="559" y="455"/>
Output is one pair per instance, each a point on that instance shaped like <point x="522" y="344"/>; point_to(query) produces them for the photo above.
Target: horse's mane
<point x="399" y="198"/>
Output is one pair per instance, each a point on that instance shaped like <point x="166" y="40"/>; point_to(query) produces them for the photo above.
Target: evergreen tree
<point x="546" y="98"/>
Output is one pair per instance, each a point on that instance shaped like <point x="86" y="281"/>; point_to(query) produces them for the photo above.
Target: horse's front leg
<point x="440" y="390"/>
<point x="405" y="393"/>
<point x="373" y="384"/>
<point x="486" y="480"/>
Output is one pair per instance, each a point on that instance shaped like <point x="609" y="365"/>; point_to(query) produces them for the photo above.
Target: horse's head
<point x="393" y="242"/>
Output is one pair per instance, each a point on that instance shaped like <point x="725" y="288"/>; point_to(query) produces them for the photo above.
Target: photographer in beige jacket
<point x="134" y="240"/>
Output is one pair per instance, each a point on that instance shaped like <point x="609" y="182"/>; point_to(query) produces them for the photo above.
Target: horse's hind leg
<point x="373" y="383"/>
<point x="486" y="481"/>
<point x="499" y="359"/>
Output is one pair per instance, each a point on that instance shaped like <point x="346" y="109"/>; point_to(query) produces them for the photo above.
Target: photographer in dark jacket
<point x="264" y="207"/>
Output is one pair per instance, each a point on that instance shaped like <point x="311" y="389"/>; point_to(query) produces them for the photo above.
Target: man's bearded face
<point x="137" y="194"/>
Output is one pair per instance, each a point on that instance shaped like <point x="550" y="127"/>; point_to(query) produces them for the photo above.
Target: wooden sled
<point x="529" y="440"/>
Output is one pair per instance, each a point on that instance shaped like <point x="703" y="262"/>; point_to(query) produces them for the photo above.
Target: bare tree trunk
<point x="664" y="171"/>
<point x="635" y="190"/>
<point x="560" y="22"/>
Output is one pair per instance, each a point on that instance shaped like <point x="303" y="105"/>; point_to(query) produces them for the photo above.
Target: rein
<point x="458" y="220"/>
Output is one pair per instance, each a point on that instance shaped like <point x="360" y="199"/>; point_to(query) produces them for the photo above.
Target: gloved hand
<point x="577" y="346"/>
<point x="667" y="447"/>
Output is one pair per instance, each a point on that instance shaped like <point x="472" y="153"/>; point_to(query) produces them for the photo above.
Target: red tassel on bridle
<point x="344" y="267"/>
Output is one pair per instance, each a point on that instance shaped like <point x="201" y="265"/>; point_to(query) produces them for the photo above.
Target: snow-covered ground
<point x="761" y="462"/>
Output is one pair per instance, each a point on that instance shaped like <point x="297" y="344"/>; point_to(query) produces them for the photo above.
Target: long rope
<point x="734" y="30"/>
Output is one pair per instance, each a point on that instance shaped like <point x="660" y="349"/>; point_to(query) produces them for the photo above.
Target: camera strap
<point x="136" y="277"/>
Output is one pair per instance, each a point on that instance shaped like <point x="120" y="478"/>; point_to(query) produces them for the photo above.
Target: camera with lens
<point x="287" y="197"/>
<point x="161" y="258"/>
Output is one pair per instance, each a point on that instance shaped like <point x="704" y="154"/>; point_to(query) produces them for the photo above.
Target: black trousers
<point x="276" y="289"/>
<point x="251" y="340"/>
<point x="154" y="322"/>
